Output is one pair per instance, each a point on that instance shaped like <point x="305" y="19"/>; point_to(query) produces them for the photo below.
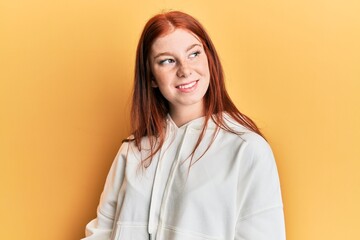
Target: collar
<point x="197" y="123"/>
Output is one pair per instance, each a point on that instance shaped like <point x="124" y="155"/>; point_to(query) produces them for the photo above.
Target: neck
<point x="183" y="115"/>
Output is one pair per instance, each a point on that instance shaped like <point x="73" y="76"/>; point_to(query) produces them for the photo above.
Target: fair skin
<point x="180" y="69"/>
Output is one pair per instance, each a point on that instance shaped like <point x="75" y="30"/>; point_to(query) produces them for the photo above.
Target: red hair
<point x="150" y="108"/>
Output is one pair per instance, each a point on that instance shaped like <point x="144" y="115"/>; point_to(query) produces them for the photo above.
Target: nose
<point x="183" y="71"/>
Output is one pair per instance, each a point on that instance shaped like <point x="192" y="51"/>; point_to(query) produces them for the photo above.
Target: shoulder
<point x="131" y="150"/>
<point x="256" y="146"/>
<point x="245" y="133"/>
<point x="252" y="142"/>
<point x="127" y="144"/>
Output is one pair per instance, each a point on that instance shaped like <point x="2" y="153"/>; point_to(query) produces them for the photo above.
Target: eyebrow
<point x="188" y="49"/>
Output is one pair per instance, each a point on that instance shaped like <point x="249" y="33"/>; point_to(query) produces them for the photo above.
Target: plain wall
<point x="66" y="72"/>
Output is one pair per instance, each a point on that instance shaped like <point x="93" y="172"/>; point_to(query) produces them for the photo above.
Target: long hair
<point x="150" y="108"/>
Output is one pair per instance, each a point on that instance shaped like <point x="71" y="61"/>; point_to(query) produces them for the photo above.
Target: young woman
<point x="195" y="168"/>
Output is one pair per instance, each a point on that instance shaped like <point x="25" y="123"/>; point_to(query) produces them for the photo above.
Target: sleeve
<point x="260" y="214"/>
<point x="101" y="227"/>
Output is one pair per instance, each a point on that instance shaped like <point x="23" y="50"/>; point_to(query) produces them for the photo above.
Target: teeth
<point x="190" y="85"/>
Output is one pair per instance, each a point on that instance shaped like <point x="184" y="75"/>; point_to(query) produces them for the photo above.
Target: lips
<point x="187" y="86"/>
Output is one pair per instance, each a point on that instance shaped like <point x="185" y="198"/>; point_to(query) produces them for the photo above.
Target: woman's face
<point x="180" y="69"/>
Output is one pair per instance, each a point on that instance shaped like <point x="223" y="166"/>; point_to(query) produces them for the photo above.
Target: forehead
<point x="178" y="39"/>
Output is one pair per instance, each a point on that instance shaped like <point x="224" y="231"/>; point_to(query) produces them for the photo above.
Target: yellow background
<point x="66" y="71"/>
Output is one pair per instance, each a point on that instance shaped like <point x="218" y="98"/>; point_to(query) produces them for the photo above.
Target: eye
<point x="194" y="54"/>
<point x="166" y="61"/>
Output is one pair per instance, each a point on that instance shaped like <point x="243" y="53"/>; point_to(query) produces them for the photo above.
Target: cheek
<point x="205" y="66"/>
<point x="164" y="76"/>
<point x="160" y="78"/>
<point x="157" y="75"/>
<point x="205" y="69"/>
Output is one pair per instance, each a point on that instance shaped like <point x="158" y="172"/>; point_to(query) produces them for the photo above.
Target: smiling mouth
<point x="187" y="85"/>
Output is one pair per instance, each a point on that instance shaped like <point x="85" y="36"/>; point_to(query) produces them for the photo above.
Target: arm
<point x="260" y="203"/>
<point x="101" y="227"/>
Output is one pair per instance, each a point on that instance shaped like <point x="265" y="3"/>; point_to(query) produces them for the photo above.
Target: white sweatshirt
<point x="232" y="192"/>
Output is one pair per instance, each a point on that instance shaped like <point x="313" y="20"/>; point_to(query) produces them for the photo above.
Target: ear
<point x="153" y="83"/>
